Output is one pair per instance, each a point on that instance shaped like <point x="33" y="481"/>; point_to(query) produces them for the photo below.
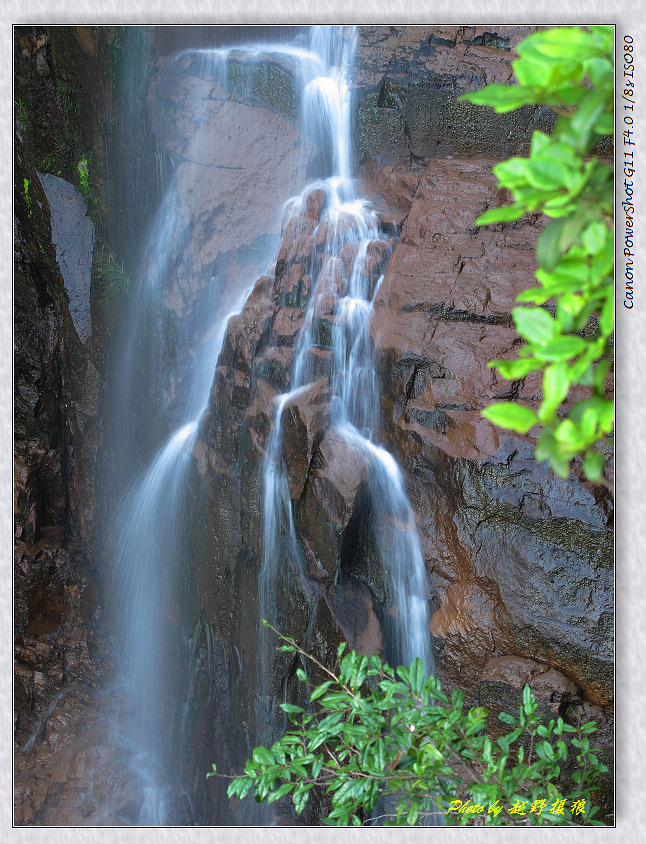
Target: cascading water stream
<point x="149" y="570"/>
<point x="151" y="548"/>
<point x="350" y="226"/>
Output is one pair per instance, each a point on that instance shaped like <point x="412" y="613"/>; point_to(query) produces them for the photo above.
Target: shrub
<point x="371" y="733"/>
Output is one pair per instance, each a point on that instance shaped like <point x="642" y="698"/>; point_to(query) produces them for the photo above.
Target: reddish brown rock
<point x="246" y="332"/>
<point x="287" y="324"/>
<point x="343" y="470"/>
<point x="329" y="287"/>
<point x="328" y="501"/>
<point x="304" y="422"/>
<point x="352" y="608"/>
<point x="392" y="189"/>
<point x="469" y="619"/>
<point x="297" y="240"/>
<point x="260" y="416"/>
<point x="546" y="683"/>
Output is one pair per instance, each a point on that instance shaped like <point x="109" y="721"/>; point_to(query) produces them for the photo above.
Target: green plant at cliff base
<point x="370" y="732"/>
<point x="571" y="71"/>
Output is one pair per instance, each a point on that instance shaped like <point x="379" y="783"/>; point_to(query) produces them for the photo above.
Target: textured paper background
<point x="631" y="396"/>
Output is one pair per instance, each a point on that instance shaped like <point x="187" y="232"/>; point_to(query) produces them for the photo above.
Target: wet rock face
<point x="409" y="80"/>
<point x="239" y="157"/>
<point x="59" y="665"/>
<point x="58" y="426"/>
<point x="73" y="236"/>
<point x="59" y="103"/>
<point x="520" y="560"/>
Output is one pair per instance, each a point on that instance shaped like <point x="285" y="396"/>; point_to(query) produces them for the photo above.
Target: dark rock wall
<point x="61" y="101"/>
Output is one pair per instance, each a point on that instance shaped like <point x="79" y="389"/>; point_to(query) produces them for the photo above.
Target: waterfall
<point x="175" y="330"/>
<point x="161" y="397"/>
<point x="349" y="224"/>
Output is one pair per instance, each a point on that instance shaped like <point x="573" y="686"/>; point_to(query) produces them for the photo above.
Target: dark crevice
<point x="447" y="314"/>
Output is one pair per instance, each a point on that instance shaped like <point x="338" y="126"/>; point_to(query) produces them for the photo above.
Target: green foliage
<point x="23" y="121"/>
<point x="570" y="70"/>
<point x="83" y="170"/>
<point x="114" y="280"/>
<point x="370" y="732"/>
<point x="25" y="187"/>
<point x="65" y="98"/>
<point x="56" y="160"/>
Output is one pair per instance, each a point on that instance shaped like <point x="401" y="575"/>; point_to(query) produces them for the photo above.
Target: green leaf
<point x="547" y="175"/>
<point x="290" y="707"/>
<point x="588" y="113"/>
<point x="540" y="142"/>
<point x="561" y="43"/>
<point x="320" y="690"/>
<point x="512" y="173"/>
<point x="510" y="415"/>
<point x="568" y="434"/>
<point x="262" y="755"/>
<point x="417" y="675"/>
<point x="593" y="466"/>
<point x="534" y="324"/>
<point x="556" y="385"/>
<point x="594" y="237"/>
<point x="515" y="369"/>
<point x="413" y="814"/>
<point x="549" y="750"/>
<point x="528" y="697"/>
<point x="607" y="320"/>
<point x="281" y="792"/>
<point x="501" y="98"/>
<point x="605" y="125"/>
<point x="504" y="214"/>
<point x="548" y="250"/>
<point x="561" y="349"/>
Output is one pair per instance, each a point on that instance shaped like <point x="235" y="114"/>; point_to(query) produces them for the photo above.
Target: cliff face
<point x="519" y="560"/>
<point x="67" y="202"/>
<point x="58" y="375"/>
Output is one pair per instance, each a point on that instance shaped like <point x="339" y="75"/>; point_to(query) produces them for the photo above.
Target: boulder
<point x="304" y="421"/>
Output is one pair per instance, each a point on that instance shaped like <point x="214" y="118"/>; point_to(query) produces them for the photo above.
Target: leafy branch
<point x="370" y="732"/>
<point x="571" y="71"/>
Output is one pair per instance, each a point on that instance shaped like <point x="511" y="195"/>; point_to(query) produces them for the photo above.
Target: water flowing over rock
<point x="281" y="418"/>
